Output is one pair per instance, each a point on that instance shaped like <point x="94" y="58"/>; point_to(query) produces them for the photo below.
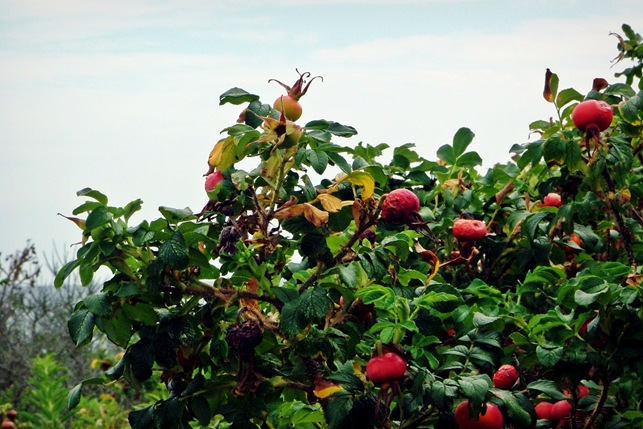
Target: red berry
<point x="12" y="415"/>
<point x="491" y="418"/>
<point x="561" y="410"/>
<point x="469" y="229"/>
<point x="505" y="377"/>
<point x="212" y="180"/>
<point x="399" y="205"/>
<point x="592" y="114"/>
<point x="543" y="410"/>
<point x="8" y="425"/>
<point x="582" y="391"/>
<point x="385" y="368"/>
<point x="552" y="200"/>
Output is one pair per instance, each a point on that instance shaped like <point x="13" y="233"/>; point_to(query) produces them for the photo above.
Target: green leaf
<point x="314" y="303"/>
<point x="341" y="130"/>
<point x="620" y="89"/>
<point x="175" y="216"/>
<point x="349" y="274"/>
<point x="461" y="140"/>
<point x="200" y="408"/>
<point x="480" y="320"/>
<point x="92" y="193"/>
<point x="99" y="304"/>
<point x="584" y="298"/>
<point x="98" y="217"/>
<point x="313" y="244"/>
<point x="64" y="272"/>
<point x="167" y="414"/>
<point x="318" y="160"/>
<point x="519" y="409"/>
<point x="142" y="418"/>
<point x="380" y="295"/>
<point x="530" y="225"/>
<point x="548" y="387"/>
<point x="475" y="387"/>
<point x="73" y="398"/>
<point x="446" y="154"/>
<point x="86" y="273"/>
<point x="442" y="393"/>
<point x="140" y="312"/>
<point x="549" y="356"/>
<point x="630" y="110"/>
<point x="469" y="159"/>
<point x="568" y="95"/>
<point x="555" y="151"/>
<point x="254" y="112"/>
<point x="292" y="319"/>
<point x="118" y="328"/>
<point x="131" y="208"/>
<point x="139" y="359"/>
<point x="339" y="161"/>
<point x="337" y="412"/>
<point x="81" y="326"/>
<point x="331" y="127"/>
<point x="174" y="252"/>
<point x="236" y="96"/>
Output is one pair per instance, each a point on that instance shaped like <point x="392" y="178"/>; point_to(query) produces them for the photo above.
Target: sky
<point x="123" y="96"/>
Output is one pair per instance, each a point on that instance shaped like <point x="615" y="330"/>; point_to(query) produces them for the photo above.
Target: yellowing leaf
<point x="362" y="178"/>
<point x="223" y="155"/>
<point x="331" y="203"/>
<point x="551" y="86"/>
<point x="314" y="215"/>
<point x="325" y="392"/>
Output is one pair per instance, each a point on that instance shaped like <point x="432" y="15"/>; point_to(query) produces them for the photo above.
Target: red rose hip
<point x="561" y="410"/>
<point x="505" y="377"/>
<point x="543" y="410"/>
<point x="491" y="418"/>
<point x="552" y="199"/>
<point x="469" y="229"/>
<point x="595" y="114"/>
<point x="385" y="368"/>
<point x="399" y="205"/>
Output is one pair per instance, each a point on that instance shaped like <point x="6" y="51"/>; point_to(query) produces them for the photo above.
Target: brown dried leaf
<point x="509" y="187"/>
<point x="599" y="84"/>
<point x="314" y="215"/>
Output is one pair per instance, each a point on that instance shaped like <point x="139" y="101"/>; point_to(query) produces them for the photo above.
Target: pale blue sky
<point x="123" y="96"/>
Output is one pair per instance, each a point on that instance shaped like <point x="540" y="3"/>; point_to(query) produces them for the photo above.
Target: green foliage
<point x="46" y="395"/>
<point x="263" y="309"/>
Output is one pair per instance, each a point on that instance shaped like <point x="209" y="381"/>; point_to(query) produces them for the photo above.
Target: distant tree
<point x="33" y="320"/>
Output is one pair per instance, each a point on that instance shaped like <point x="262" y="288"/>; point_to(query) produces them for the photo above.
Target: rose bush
<point x="235" y="307"/>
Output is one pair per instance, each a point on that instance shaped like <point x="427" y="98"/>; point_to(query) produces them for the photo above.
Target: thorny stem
<point x="599" y="405"/>
<point x="622" y="228"/>
<point x="417" y="421"/>
<point x="220" y="293"/>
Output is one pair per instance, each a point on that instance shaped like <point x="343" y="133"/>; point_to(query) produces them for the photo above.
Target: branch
<point x="599" y="405"/>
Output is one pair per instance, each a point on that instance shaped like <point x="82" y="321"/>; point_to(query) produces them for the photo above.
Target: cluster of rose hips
<point x="9" y="422"/>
